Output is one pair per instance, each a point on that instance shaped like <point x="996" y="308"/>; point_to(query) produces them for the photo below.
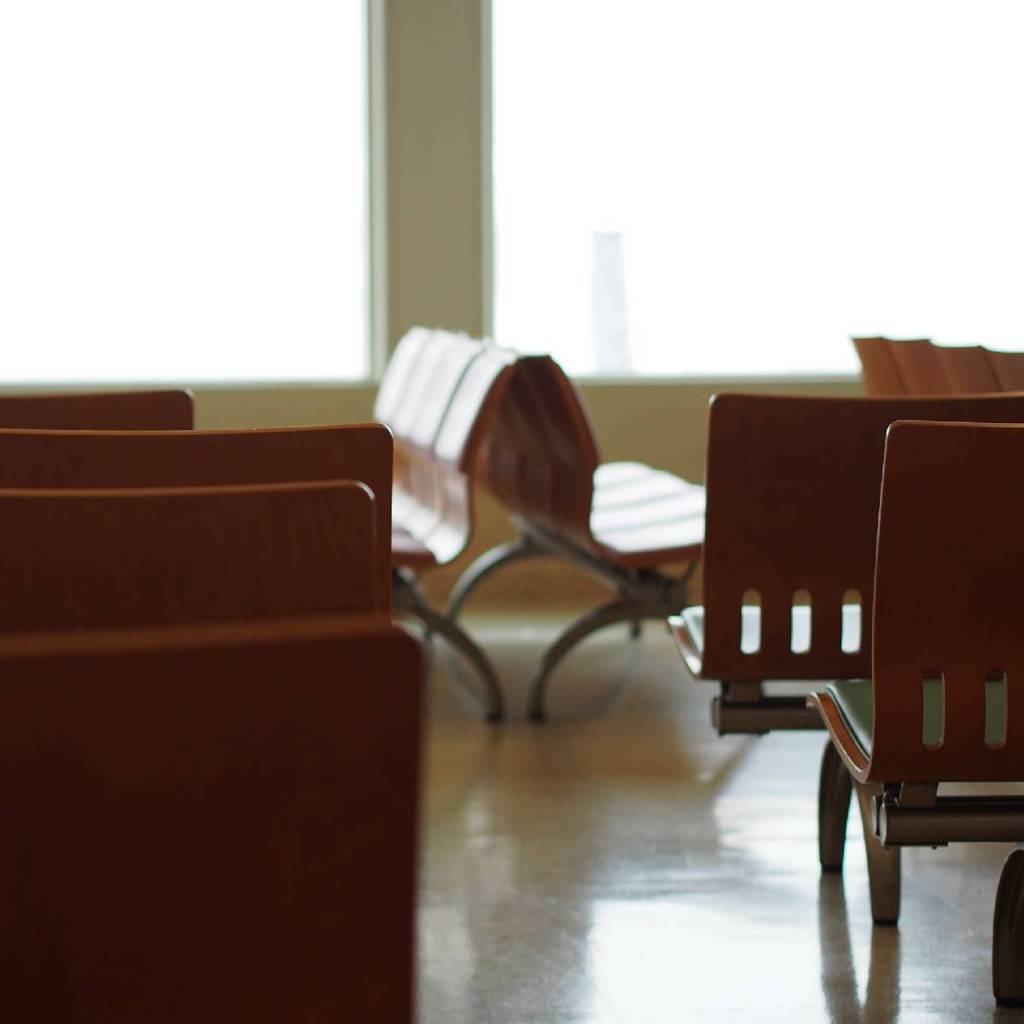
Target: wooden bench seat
<point x="947" y="660"/>
<point x="623" y="522"/>
<point x="438" y="396"/>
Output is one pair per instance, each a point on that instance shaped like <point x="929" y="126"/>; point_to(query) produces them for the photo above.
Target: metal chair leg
<point x="1008" y="933"/>
<point x="834" y="789"/>
<point x="591" y="622"/>
<point x="884" y="875"/>
<point x="488" y="563"/>
<point x="407" y="597"/>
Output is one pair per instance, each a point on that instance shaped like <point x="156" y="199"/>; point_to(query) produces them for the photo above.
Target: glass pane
<point x="734" y="186"/>
<point x="182" y="190"/>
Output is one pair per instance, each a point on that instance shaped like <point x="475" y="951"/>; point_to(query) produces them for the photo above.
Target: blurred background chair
<point x="439" y="395"/>
<point x="112" y="410"/>
<point x="624" y="523"/>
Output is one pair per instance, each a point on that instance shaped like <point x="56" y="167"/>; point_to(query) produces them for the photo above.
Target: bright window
<point x="735" y="186"/>
<point x="182" y="190"/>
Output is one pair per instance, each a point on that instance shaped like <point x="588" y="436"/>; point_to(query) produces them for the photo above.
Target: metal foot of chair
<point x="1008" y="934"/>
<point x="407" y="597"/>
<point x="591" y="622"/>
<point x="884" y="875"/>
<point x="834" y="789"/>
<point x="489" y="562"/>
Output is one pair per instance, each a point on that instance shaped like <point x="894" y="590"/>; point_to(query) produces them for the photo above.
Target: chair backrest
<point x="792" y="507"/>
<point x="541" y="452"/>
<point x="439" y="396"/>
<point x="949" y="602"/>
<point x="881" y="374"/>
<point x="968" y="369"/>
<point x="114" y="410"/>
<point x="208" y="824"/>
<point x="111" y="559"/>
<point x="52" y="460"/>
<point x="920" y="367"/>
<point x="1008" y="368"/>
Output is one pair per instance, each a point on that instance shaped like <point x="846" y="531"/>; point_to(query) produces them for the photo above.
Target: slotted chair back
<point x="920" y="367"/>
<point x="438" y="397"/>
<point x="90" y="459"/>
<point x="1008" y="368"/>
<point x="968" y="369"/>
<point x="792" y="506"/>
<point x="114" y="410"/>
<point x="949" y="602"/>
<point x="881" y="374"/>
<point x="111" y="559"/>
<point x="542" y="453"/>
<point x="211" y="824"/>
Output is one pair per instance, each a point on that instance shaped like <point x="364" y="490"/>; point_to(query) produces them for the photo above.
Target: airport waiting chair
<point x="438" y="396"/>
<point x="85" y="460"/>
<point x="624" y="523"/>
<point x="234" y="840"/>
<point x="1008" y="368"/>
<point x="789" y="558"/>
<point x="968" y="369"/>
<point x="940" y="706"/>
<point x="920" y="367"/>
<point x="104" y="559"/>
<point x="881" y="374"/>
<point x="112" y="410"/>
<point x="792" y="506"/>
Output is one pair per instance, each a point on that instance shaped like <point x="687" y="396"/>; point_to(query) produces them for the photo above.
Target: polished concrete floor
<point x="621" y="863"/>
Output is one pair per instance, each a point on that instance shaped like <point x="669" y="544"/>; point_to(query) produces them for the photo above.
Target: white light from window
<point x="182" y="190"/>
<point x="734" y="186"/>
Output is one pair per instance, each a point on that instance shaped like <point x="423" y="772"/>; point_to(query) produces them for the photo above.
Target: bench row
<point x="871" y="546"/>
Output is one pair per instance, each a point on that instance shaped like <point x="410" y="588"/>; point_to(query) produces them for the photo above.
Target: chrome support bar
<point x="952" y="819"/>
<point x="744" y="708"/>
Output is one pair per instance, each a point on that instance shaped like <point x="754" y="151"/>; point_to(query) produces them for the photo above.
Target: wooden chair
<point x="114" y="410"/>
<point x="1008" y="368"/>
<point x="920" y="367"/>
<point x="622" y="522"/>
<point x="792" y="509"/>
<point x="940" y="706"/>
<point x="881" y="374"/>
<point x="789" y="560"/>
<point x="139" y="459"/>
<point x="968" y="369"/>
<point x="210" y="824"/>
<point x="110" y="559"/>
<point x="439" y="396"/>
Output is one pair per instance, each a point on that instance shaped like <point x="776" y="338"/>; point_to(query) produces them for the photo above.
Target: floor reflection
<point x="631" y="867"/>
<point x="845" y="1000"/>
